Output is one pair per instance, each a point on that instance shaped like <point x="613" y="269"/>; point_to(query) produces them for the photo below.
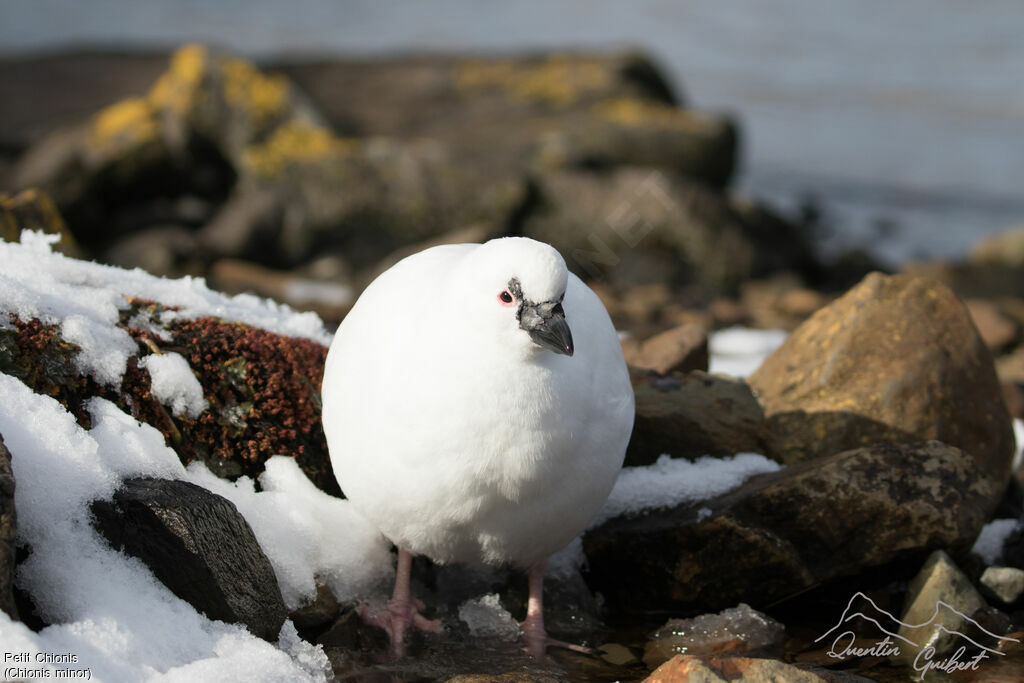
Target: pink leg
<point x="536" y="637"/>
<point x="403" y="610"/>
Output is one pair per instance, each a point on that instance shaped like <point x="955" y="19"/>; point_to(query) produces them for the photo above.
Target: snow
<point x="669" y="482"/>
<point x="173" y="383"/>
<point x="86" y="299"/>
<point x="738" y="351"/>
<point x="989" y="545"/>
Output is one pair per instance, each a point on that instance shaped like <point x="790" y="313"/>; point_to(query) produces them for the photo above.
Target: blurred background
<point x="879" y="133"/>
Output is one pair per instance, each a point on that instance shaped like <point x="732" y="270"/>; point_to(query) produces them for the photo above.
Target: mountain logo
<point x="914" y="643"/>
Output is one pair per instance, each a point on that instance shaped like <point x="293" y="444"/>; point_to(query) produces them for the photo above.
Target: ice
<point x="486" y="618"/>
<point x="174" y="384"/>
<point x="671" y="481"/>
<point x="989" y="545"/>
<point x="738" y="351"/>
<point x="738" y="630"/>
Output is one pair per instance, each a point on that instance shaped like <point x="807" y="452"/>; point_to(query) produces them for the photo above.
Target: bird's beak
<point x="545" y="323"/>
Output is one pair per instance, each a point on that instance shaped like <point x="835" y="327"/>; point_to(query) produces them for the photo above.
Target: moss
<point x="293" y="142"/>
<point x="262" y="388"/>
<point x="176" y="89"/>
<point x="558" y="80"/>
<point x="127" y="123"/>
<point x="635" y="113"/>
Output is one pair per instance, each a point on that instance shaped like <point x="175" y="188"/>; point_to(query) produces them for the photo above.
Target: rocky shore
<point x="883" y="424"/>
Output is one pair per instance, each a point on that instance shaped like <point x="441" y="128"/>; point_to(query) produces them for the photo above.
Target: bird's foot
<point x="396" y="619"/>
<point x="538" y="641"/>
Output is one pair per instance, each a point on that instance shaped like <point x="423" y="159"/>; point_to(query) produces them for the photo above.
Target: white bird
<point x="467" y="422"/>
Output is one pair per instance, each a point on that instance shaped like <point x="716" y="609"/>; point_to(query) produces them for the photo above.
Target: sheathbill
<point x="477" y="409"/>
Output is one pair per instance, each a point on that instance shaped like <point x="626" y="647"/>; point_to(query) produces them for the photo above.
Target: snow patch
<point x="739" y="351"/>
<point x="989" y="545"/>
<point x="174" y="384"/>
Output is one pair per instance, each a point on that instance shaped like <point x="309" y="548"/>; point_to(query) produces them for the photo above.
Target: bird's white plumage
<point x="452" y="430"/>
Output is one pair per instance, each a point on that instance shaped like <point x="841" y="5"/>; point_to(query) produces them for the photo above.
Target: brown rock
<point x="33" y="209"/>
<point x="8" y="532"/>
<point x="783" y="533"/>
<point x="997" y="330"/>
<point x="691" y="669"/>
<point x="691" y="415"/>
<point x="896" y="359"/>
<point x="681" y="349"/>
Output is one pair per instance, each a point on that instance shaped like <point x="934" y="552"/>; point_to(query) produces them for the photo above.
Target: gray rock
<point x="1006" y="584"/>
<point x="939" y="602"/>
<point x="8" y="531"/>
<point x="199" y="546"/>
<point x="783" y="533"/>
<point x="691" y="415"/>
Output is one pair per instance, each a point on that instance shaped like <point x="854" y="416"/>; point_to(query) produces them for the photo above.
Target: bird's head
<point x="514" y="289"/>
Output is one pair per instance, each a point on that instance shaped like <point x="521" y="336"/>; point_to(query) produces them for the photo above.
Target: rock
<point x="163" y="250"/>
<point x="896" y="359"/>
<point x="1002" y="249"/>
<point x="262" y="388"/>
<point x="636" y="225"/>
<point x="680" y="349"/>
<point x="738" y="630"/>
<point x="783" y="533"/>
<point x="502" y="113"/>
<point x="939" y="602"/>
<point x="198" y="545"/>
<point x="691" y="415"/>
<point x="318" y="615"/>
<point x="780" y="302"/>
<point x="997" y="330"/>
<point x="34" y="210"/>
<point x="8" y="533"/>
<point x="1006" y="584"/>
<point x="330" y="300"/>
<point x="695" y="669"/>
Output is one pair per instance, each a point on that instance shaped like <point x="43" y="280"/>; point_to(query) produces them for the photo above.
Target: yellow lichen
<point x="247" y="87"/>
<point x="176" y="88"/>
<point x="129" y="122"/>
<point x="558" y="80"/>
<point x="634" y="112"/>
<point x="293" y="142"/>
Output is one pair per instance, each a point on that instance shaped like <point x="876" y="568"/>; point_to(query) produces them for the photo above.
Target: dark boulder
<point x="783" y="533"/>
<point x="199" y="546"/>
<point x="8" y="532"/>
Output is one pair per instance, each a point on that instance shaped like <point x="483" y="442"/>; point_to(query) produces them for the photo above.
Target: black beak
<point x="547" y="327"/>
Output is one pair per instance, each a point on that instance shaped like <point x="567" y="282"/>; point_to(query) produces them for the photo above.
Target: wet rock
<point x="1006" y="584"/>
<point x="694" y="669"/>
<point x="640" y="226"/>
<point x="997" y="330"/>
<point x="318" y="615"/>
<point x="940" y="600"/>
<point x="691" y="415"/>
<point x="8" y="532"/>
<point x="680" y="349"/>
<point x="199" y="546"/>
<point x="896" y="359"/>
<point x="782" y="533"/>
<point x="738" y="630"/>
<point x="33" y="209"/>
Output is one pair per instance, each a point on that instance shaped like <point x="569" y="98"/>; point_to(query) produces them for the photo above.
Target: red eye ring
<point x="506" y="298"/>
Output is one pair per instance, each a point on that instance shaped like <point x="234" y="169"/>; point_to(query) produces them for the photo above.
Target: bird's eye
<point x="506" y="298"/>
